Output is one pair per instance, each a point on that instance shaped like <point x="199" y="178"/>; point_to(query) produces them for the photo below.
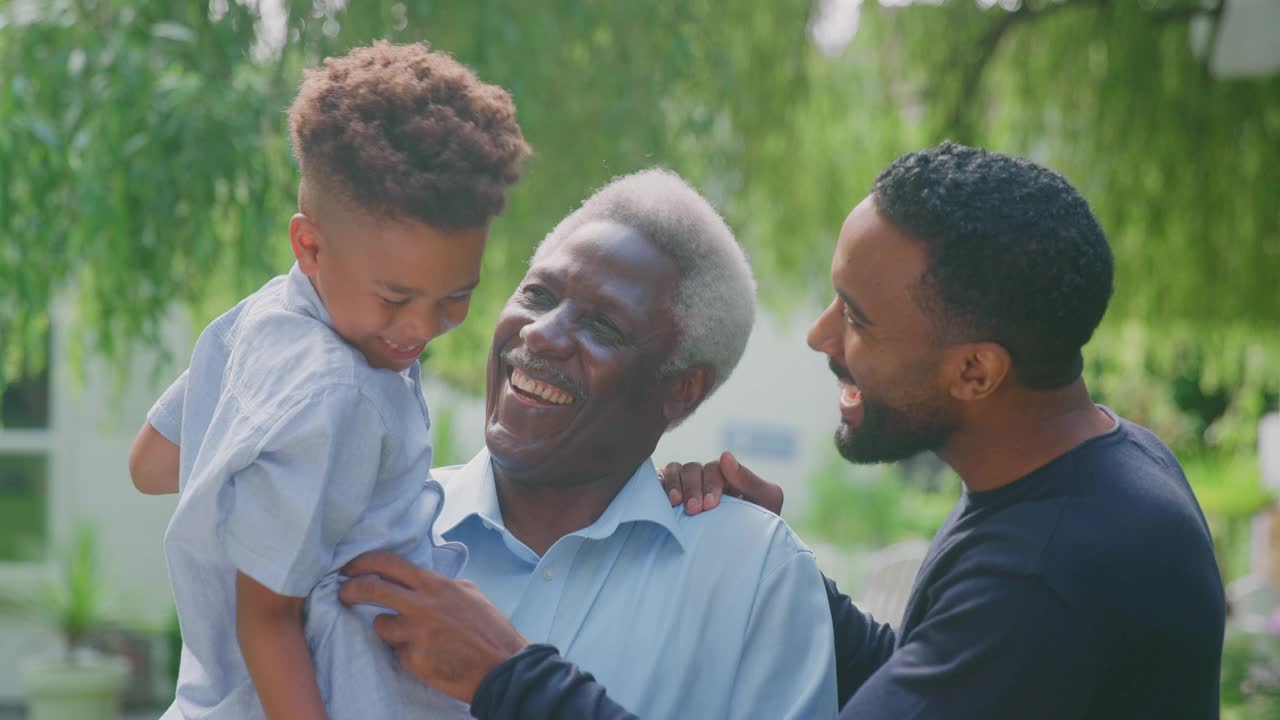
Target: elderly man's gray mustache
<point x="521" y="357"/>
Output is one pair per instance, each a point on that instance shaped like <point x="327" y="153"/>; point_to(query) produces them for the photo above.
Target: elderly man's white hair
<point x="715" y="305"/>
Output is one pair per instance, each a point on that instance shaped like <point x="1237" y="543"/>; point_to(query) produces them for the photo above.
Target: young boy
<point x="301" y="420"/>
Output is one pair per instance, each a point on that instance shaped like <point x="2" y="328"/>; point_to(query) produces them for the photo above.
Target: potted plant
<point x="78" y="682"/>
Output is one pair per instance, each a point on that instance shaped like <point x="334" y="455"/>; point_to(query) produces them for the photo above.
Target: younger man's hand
<point x="700" y="486"/>
<point x="446" y="632"/>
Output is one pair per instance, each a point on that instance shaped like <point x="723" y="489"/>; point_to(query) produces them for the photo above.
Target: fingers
<point x="669" y="476"/>
<point x="712" y="485"/>
<point x="391" y="567"/>
<point x="691" y="487"/>
<point x="376" y="590"/>
<point x="743" y="483"/>
<point x="392" y="629"/>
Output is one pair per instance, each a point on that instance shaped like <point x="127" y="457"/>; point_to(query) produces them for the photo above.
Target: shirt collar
<point x="472" y="492"/>
<point x="301" y="296"/>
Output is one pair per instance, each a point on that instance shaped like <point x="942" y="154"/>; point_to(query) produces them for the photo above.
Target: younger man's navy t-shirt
<point x="1087" y="589"/>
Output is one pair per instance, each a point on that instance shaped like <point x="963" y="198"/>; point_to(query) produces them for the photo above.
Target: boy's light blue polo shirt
<point x="296" y="456"/>
<point x="720" y="615"/>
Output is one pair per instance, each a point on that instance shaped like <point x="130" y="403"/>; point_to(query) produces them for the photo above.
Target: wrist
<point x="493" y="690"/>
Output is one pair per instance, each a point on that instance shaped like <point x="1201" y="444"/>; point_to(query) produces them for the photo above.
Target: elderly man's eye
<point x="605" y="330"/>
<point x="536" y="296"/>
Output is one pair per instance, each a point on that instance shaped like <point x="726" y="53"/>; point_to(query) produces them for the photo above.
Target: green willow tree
<point x="144" y="160"/>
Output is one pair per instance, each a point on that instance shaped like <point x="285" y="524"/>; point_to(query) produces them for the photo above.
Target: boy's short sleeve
<point x="166" y="414"/>
<point x="283" y="514"/>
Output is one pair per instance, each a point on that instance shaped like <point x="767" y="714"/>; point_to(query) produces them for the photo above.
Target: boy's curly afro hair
<point x="406" y="132"/>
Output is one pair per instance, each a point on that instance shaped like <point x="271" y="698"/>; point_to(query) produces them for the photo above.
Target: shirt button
<point x="547" y="574"/>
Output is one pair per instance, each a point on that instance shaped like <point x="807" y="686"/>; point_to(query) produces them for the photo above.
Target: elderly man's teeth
<point x="539" y="389"/>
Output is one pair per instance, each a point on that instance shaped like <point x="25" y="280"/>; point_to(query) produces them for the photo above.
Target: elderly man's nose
<point x="547" y="335"/>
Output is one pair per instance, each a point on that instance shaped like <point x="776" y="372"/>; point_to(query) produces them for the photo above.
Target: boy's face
<point x="390" y="286"/>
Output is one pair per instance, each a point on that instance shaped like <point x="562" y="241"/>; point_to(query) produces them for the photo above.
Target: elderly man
<point x="1075" y="577"/>
<point x="635" y="308"/>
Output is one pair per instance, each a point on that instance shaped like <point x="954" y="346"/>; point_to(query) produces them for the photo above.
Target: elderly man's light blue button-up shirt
<point x="721" y="615"/>
<point x="296" y="456"/>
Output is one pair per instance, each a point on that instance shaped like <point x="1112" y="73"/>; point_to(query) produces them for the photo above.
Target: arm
<point x="994" y="647"/>
<point x="787" y="664"/>
<point x="154" y="456"/>
<point x="448" y="635"/>
<point x="281" y="516"/>
<point x="537" y="683"/>
<point x="153" y="462"/>
<point x="269" y="628"/>
<point x="862" y="644"/>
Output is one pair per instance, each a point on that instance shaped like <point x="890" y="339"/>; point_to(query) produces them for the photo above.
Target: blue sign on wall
<point x="760" y="440"/>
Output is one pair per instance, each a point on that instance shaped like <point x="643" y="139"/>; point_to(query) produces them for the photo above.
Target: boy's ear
<point x="304" y="238"/>
<point x="685" y="391"/>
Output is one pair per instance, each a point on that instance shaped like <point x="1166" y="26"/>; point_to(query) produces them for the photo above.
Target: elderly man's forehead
<point x="616" y="261"/>
<point x="591" y="232"/>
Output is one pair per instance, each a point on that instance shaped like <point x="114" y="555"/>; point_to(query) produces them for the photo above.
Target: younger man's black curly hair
<point x="1015" y="256"/>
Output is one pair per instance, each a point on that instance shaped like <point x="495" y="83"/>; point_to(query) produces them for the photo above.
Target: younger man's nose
<point x="820" y="336"/>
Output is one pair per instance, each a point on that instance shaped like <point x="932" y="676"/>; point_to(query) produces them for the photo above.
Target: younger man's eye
<point x="848" y="315"/>
<point x="397" y="303"/>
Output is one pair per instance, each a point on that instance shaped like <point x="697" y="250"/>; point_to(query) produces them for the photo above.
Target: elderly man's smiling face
<point x="573" y="388"/>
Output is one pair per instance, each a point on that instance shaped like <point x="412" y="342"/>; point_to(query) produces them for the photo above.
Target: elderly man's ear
<point x="685" y="391"/>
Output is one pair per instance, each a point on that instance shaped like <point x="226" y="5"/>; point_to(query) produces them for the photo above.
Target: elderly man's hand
<point x="700" y="486"/>
<point x="446" y="633"/>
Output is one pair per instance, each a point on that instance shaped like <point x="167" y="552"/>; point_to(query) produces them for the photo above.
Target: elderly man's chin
<point x="515" y="425"/>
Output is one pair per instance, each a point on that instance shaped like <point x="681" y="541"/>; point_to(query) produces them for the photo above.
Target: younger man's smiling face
<point x="389" y="286"/>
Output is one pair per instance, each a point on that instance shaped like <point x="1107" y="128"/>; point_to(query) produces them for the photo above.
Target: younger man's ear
<point x="978" y="370"/>
<point x="304" y="237"/>
<point x="685" y="391"/>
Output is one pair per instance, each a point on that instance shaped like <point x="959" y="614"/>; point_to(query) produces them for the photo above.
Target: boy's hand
<point x="446" y="632"/>
<point x="700" y="486"/>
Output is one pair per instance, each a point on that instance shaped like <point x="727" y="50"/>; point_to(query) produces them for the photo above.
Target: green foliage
<point x="146" y="159"/>
<point x="859" y="508"/>
<point x="444" y="445"/>
<point x="72" y="600"/>
<point x="1250" y="677"/>
<point x="145" y="163"/>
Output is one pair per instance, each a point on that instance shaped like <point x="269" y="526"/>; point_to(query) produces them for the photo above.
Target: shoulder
<point x="1134" y="532"/>
<point x="758" y="539"/>
<point x="281" y="359"/>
